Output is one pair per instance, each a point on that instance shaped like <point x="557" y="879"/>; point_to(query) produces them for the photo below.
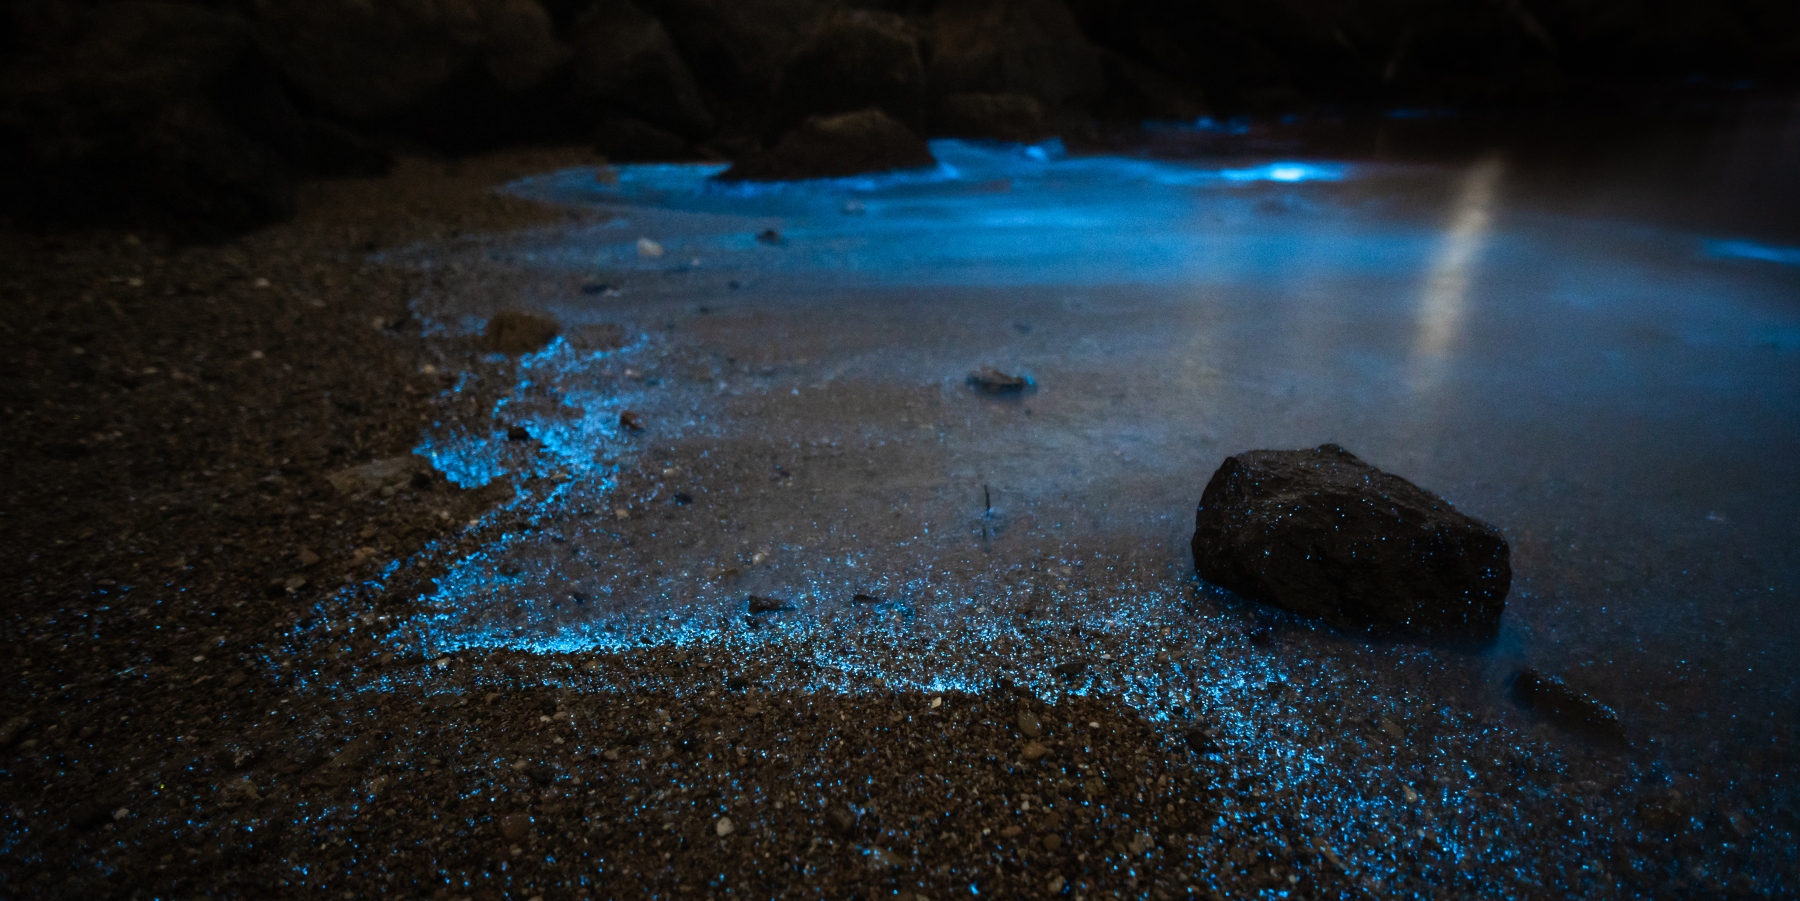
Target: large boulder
<point x="625" y="61"/>
<point x="1322" y="533"/>
<point x="1030" y="47"/>
<point x="163" y="113"/>
<point x="856" y="60"/>
<point x="736" y="48"/>
<point x="834" y="147"/>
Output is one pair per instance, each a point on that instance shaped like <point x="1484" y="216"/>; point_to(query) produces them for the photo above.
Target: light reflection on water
<point x="1609" y="394"/>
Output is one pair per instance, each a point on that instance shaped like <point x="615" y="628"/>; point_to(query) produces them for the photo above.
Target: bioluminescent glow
<point x="1751" y="250"/>
<point x="799" y="357"/>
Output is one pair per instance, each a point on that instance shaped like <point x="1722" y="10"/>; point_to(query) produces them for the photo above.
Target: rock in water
<point x="835" y="147"/>
<point x="1322" y="533"/>
<point x="1565" y="707"/>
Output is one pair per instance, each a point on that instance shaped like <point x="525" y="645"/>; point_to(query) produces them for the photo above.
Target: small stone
<point x="649" y="249"/>
<point x="1034" y="750"/>
<point x="1566" y="708"/>
<point x="237" y="792"/>
<point x="632" y="420"/>
<point x="993" y="381"/>
<point x="1030" y="724"/>
<point x="937" y="702"/>
<point x="516" y="333"/>
<point x="518" y="433"/>
<point x="842" y="818"/>
<point x="759" y="604"/>
<point x="369" y="477"/>
<point x="1199" y="742"/>
<point x="1052" y="842"/>
<point x="307" y="557"/>
<point x="515" y="827"/>
<point x="723" y="826"/>
<point x="1056" y="882"/>
<point x="1012" y="831"/>
<point x="770" y="236"/>
<point x="12" y="729"/>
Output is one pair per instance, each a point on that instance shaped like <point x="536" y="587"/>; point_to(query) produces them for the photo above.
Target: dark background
<point x="199" y="117"/>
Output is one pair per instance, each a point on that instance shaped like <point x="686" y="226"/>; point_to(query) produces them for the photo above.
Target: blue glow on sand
<point x="1751" y="250"/>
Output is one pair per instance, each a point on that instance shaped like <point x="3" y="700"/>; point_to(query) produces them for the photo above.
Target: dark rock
<point x="1030" y="47"/>
<point x="834" y="147"/>
<point x="759" y="604"/>
<point x="1001" y="117"/>
<point x="1135" y="94"/>
<point x="842" y="818"/>
<point x="632" y="420"/>
<point x="90" y="813"/>
<point x="856" y="60"/>
<point x="1564" y="707"/>
<point x="682" y="498"/>
<point x="627" y="140"/>
<point x="518" y="433"/>
<point x="625" y="61"/>
<point x="1199" y="742"/>
<point x="514" y="333"/>
<point x="1071" y="669"/>
<point x="361" y="60"/>
<point x="133" y="118"/>
<point x="737" y="48"/>
<point x="1322" y="533"/>
<point x="993" y="381"/>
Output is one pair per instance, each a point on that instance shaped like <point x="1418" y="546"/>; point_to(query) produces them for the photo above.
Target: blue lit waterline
<point x="990" y="215"/>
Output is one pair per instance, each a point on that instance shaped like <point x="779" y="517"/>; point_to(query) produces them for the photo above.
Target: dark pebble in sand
<point x="759" y="604"/>
<point x="514" y="333"/>
<point x="992" y="381"/>
<point x="1565" y="708"/>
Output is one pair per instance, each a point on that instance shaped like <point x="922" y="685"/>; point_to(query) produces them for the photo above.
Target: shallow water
<point x="1617" y="390"/>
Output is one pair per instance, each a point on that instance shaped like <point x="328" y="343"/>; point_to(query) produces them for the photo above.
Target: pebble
<point x="632" y="420"/>
<point x="723" y="826"/>
<point x="1029" y="724"/>
<point x="515" y="827"/>
<point x="648" y="248"/>
<point x="307" y="557"/>
<point x="1035" y="750"/>
<point x="1056" y="884"/>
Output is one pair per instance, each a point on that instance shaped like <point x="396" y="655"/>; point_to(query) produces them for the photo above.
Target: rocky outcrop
<point x="160" y="113"/>
<point x="834" y="147"/>
<point x="737" y="48"/>
<point x="855" y="61"/>
<point x="1322" y="533"/>
<point x="1030" y="47"/>
<point x="361" y="60"/>
<point x="625" y="61"/>
<point x="1001" y="117"/>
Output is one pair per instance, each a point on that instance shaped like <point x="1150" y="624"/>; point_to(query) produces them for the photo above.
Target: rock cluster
<point x="203" y="115"/>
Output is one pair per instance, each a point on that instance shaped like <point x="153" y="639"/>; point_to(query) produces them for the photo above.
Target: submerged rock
<point x="834" y="147"/>
<point x="1322" y="533"/>
<point x="1564" y="707"/>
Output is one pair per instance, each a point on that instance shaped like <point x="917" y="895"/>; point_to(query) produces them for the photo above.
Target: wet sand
<point x="546" y="659"/>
